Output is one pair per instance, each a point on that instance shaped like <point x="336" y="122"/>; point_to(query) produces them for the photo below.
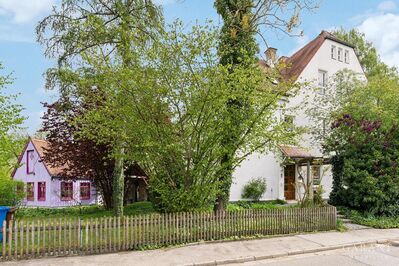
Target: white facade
<point x="271" y="166"/>
<point x="33" y="170"/>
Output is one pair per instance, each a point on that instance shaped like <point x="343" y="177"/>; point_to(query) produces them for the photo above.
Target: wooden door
<point x="289" y="182"/>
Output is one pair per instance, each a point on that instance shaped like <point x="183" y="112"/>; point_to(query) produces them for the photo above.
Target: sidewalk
<point x="230" y="252"/>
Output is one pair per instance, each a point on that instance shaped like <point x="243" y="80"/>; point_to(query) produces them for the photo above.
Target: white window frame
<point x="334" y="52"/>
<point x="322" y="83"/>
<point x="346" y="56"/>
<point x="340" y="50"/>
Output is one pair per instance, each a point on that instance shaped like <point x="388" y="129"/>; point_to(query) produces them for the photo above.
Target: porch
<point x="302" y="172"/>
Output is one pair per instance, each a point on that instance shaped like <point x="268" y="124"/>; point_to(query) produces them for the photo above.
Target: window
<point x="322" y="79"/>
<point x="316" y="174"/>
<point x="289" y="120"/>
<point x="30" y="157"/>
<point x="340" y="54"/>
<point x="333" y="52"/>
<point x="41" y="191"/>
<point x="346" y="56"/>
<point x="85" y="191"/>
<point x="66" y="190"/>
<point x="30" y="191"/>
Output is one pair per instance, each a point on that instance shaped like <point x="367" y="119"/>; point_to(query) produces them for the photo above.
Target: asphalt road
<point x="380" y="255"/>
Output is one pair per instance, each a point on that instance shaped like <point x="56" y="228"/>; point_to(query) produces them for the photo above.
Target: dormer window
<point x="340" y="54"/>
<point x="346" y="56"/>
<point x="333" y="52"/>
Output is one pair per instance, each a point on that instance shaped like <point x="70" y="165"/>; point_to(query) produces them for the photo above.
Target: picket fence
<point x="25" y="239"/>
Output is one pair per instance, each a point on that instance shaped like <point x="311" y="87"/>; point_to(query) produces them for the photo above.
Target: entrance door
<point x="289" y="182"/>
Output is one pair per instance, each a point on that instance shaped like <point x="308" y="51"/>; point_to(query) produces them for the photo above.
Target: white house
<point x="43" y="186"/>
<point x="320" y="59"/>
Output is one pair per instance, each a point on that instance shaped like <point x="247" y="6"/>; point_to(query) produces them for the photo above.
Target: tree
<point x="10" y="143"/>
<point x="79" y="156"/>
<point x="366" y="52"/>
<point x="242" y="20"/>
<point x="173" y="108"/>
<point x="109" y="28"/>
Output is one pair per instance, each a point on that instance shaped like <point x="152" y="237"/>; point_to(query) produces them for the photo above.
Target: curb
<point x="393" y="242"/>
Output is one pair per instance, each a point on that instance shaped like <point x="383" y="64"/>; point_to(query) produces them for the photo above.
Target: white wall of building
<point x="268" y="165"/>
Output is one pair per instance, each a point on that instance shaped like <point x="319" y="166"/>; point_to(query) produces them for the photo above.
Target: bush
<point x="254" y="189"/>
<point x="10" y="195"/>
<point x="365" y="168"/>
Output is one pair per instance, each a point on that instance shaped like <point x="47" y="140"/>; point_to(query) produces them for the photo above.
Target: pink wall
<point x="53" y="186"/>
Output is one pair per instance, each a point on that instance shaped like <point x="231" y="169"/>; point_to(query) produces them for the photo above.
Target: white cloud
<point x="382" y="30"/>
<point x="23" y="11"/>
<point x="387" y="6"/>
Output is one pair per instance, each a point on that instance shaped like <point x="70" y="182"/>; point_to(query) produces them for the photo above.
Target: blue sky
<point x="21" y="55"/>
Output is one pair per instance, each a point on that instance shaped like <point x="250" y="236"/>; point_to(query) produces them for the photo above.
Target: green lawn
<point x="136" y="208"/>
<point x="93" y="211"/>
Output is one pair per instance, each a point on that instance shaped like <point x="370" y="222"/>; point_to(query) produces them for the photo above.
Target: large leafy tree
<point x="242" y="21"/>
<point x="172" y="104"/>
<point x="79" y="156"/>
<point x="105" y="28"/>
<point x="10" y="142"/>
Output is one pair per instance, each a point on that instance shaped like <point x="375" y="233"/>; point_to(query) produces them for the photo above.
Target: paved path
<point x="375" y="256"/>
<point x="228" y="252"/>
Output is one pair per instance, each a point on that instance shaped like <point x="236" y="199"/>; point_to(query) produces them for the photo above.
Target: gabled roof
<point x="40" y="147"/>
<point x="298" y="61"/>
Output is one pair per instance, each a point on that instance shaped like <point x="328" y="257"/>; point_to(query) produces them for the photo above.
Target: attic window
<point x="30" y="157"/>
<point x="340" y="54"/>
<point x="346" y="55"/>
<point x="333" y="52"/>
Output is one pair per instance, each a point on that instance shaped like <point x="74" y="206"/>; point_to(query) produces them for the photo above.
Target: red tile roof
<point x="41" y="146"/>
<point x="295" y="152"/>
<point x="298" y="61"/>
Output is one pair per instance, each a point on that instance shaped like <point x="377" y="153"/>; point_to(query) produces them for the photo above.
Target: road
<point x="376" y="255"/>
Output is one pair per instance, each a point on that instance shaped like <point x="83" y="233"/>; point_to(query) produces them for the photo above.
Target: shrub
<point x="254" y="189"/>
<point x="366" y="170"/>
<point x="10" y="195"/>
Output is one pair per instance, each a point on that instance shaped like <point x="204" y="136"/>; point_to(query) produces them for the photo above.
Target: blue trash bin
<point x="3" y="214"/>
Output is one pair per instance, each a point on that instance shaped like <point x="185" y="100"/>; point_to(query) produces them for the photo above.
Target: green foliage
<point x="369" y="219"/>
<point x="77" y="33"/>
<point x="254" y="189"/>
<point x="11" y="193"/>
<point x="169" y="109"/>
<point x="93" y="211"/>
<point x="273" y="204"/>
<point x="10" y="143"/>
<point x="370" y="175"/>
<point x="318" y="196"/>
<point x="368" y="56"/>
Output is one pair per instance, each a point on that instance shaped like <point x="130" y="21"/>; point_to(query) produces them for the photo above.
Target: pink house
<point x="43" y="186"/>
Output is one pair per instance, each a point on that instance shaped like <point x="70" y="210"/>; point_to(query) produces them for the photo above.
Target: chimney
<point x="271" y="56"/>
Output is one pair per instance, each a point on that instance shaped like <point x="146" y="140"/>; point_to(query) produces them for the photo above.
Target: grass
<point x="273" y="204"/>
<point x="92" y="211"/>
<point x="367" y="219"/>
<point x="137" y="208"/>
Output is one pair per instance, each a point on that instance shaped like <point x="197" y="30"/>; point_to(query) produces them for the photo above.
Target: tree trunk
<point x="119" y="183"/>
